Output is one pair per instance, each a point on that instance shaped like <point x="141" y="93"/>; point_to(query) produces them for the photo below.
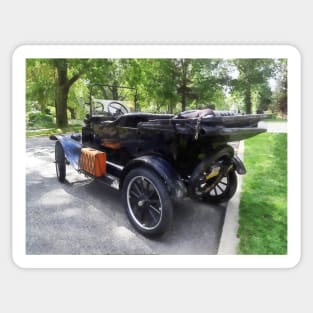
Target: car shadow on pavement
<point x="196" y="227"/>
<point x="84" y="216"/>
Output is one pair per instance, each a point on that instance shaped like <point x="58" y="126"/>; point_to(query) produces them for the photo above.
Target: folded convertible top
<point x="222" y="126"/>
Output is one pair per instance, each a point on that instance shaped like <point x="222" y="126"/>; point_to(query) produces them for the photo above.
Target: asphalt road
<point x="274" y="127"/>
<point x="85" y="217"/>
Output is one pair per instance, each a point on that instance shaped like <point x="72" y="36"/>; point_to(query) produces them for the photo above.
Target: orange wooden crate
<point x="93" y="161"/>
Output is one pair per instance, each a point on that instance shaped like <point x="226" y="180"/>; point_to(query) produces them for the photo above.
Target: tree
<point x="154" y="80"/>
<point x="163" y="85"/>
<point x="40" y="89"/>
<point x="192" y="82"/>
<point x="251" y="74"/>
<point x="263" y="96"/>
<point x="182" y="69"/>
<point x="281" y="90"/>
<point x="209" y="78"/>
<point x="63" y="85"/>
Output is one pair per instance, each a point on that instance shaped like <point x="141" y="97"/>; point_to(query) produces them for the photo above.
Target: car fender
<point x="71" y="147"/>
<point x="238" y="164"/>
<point x="161" y="167"/>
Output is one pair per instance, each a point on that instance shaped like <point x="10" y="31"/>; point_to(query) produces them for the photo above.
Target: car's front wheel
<point x="60" y="162"/>
<point x="147" y="202"/>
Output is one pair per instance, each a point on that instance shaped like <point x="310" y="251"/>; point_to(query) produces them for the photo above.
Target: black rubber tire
<point x="134" y="208"/>
<point x="227" y="194"/>
<point x="60" y="162"/>
<point x="225" y="153"/>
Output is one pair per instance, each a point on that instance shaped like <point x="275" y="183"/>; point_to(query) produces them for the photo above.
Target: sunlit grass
<point x="263" y="207"/>
<point x="52" y="131"/>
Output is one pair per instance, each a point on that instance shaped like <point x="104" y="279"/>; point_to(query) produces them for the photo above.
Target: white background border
<point x="161" y="261"/>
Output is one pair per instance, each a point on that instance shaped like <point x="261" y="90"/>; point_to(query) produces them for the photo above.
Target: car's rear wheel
<point x="214" y="179"/>
<point x="60" y="162"/>
<point x="147" y="202"/>
<point x="224" y="189"/>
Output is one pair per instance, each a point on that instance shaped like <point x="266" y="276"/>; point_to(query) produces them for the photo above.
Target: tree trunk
<point x="183" y="101"/>
<point x="61" y="93"/>
<point x="42" y="103"/>
<point x="136" y="104"/>
<point x="115" y="92"/>
<point x="63" y="85"/>
<point x="73" y="113"/>
<point x="170" y="108"/>
<point x="248" y="100"/>
<point x="184" y="82"/>
<point x="61" y="106"/>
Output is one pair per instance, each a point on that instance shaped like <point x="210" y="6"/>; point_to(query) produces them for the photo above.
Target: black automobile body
<point x="154" y="158"/>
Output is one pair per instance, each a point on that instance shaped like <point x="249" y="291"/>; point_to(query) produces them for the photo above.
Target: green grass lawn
<point x="52" y="131"/>
<point x="263" y="206"/>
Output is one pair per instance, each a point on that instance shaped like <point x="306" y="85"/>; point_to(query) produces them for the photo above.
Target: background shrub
<point x="39" y="120"/>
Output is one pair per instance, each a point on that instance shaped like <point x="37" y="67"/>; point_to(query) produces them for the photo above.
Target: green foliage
<point x="51" y="110"/>
<point x="77" y="97"/>
<point x="39" y="120"/>
<point x="263" y="206"/>
<point x="157" y="89"/>
<point x="252" y="81"/>
<point x="264" y="97"/>
<point x="279" y="99"/>
<point x="40" y="84"/>
<point x="163" y="85"/>
<point x="209" y="77"/>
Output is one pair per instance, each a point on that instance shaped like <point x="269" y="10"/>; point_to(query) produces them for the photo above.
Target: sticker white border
<point x="155" y="261"/>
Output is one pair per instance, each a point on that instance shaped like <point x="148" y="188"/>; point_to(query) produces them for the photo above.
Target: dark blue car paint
<point x="176" y="187"/>
<point x="163" y="168"/>
<point x="175" y="184"/>
<point x="72" y="149"/>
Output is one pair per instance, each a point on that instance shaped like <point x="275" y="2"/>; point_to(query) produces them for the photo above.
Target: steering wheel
<point x="116" y="108"/>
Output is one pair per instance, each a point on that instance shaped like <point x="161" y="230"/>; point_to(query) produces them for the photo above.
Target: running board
<point x="109" y="180"/>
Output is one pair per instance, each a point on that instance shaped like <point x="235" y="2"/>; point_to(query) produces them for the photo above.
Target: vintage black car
<point x="155" y="158"/>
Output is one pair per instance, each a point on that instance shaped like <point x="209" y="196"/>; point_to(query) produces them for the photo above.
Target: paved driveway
<point x="85" y="217"/>
<point x="274" y="127"/>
